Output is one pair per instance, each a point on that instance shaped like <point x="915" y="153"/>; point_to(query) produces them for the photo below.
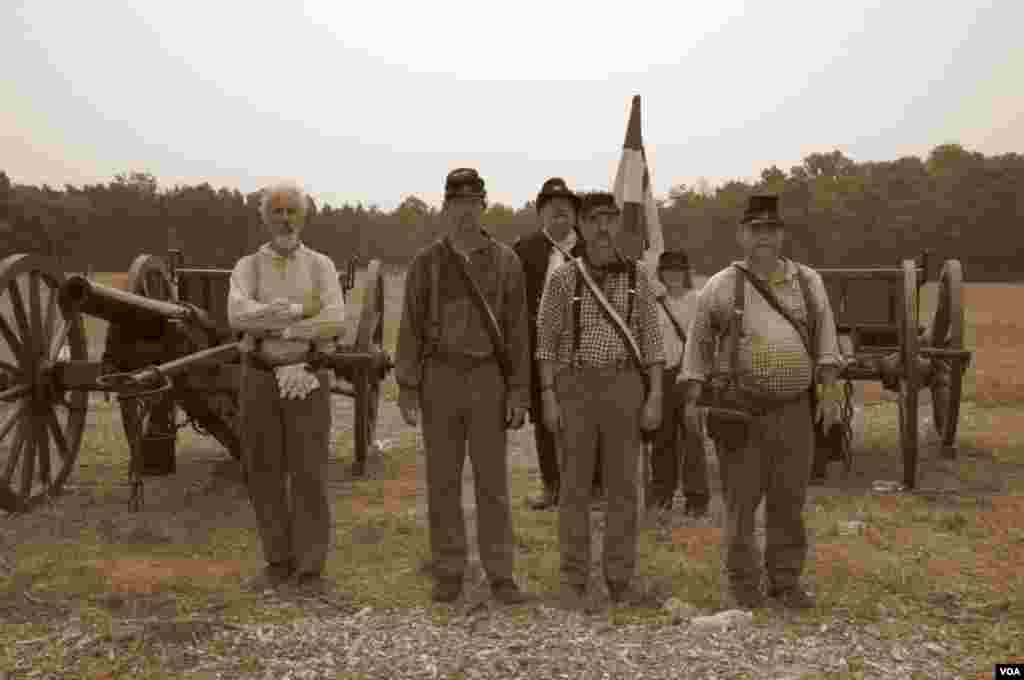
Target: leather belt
<point x="463" y="361"/>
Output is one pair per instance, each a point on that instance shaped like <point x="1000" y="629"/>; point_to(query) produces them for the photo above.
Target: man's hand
<point x="409" y="405"/>
<point x="830" y="401"/>
<point x="650" y="419"/>
<point x="552" y="412"/>
<point x="514" y="417"/>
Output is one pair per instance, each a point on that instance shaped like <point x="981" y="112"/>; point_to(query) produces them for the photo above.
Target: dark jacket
<point x="534" y="250"/>
<point x="462" y="328"/>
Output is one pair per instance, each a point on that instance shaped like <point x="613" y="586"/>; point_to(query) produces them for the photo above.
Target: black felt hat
<point x="596" y="199"/>
<point x="553" y="188"/>
<point x="464" y="182"/>
<point x="673" y="259"/>
<point x="762" y="209"/>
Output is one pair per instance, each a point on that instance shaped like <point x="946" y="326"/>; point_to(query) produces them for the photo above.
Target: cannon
<point x="882" y="339"/>
<point x="169" y="351"/>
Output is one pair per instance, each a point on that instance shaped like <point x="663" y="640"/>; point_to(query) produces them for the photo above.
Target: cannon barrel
<point x="121" y="307"/>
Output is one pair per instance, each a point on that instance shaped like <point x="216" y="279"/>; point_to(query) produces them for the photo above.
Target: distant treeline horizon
<point x="955" y="202"/>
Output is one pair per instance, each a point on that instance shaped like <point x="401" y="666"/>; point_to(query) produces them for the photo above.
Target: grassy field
<point x="947" y="560"/>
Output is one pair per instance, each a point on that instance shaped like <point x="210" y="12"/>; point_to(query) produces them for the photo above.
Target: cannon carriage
<point x="882" y="339"/>
<point x="170" y="358"/>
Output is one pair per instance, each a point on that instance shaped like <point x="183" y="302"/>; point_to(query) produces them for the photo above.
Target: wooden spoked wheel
<point x="369" y="337"/>
<point x="41" y="424"/>
<point x="947" y="332"/>
<point x="910" y="382"/>
<point x="150" y="277"/>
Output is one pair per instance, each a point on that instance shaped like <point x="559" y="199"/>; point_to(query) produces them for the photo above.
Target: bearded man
<point x="287" y="301"/>
<point x="594" y="393"/>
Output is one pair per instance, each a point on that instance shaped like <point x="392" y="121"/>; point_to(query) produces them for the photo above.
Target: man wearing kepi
<point x="601" y="360"/>
<point x="786" y="340"/>
<point x="287" y="300"/>
<point x="541" y="252"/>
<point x="463" y="361"/>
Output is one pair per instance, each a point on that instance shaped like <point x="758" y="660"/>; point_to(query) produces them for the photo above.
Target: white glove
<point x="295" y="382"/>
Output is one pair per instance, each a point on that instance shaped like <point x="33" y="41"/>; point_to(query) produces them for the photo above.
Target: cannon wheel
<point x="369" y="337"/>
<point x="41" y="426"/>
<point x="947" y="332"/>
<point x="910" y="382"/>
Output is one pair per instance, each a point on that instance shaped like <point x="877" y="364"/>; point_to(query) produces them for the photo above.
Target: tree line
<point x="955" y="202"/>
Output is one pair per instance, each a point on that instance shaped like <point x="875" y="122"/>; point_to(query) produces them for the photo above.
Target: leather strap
<point x="490" y="319"/>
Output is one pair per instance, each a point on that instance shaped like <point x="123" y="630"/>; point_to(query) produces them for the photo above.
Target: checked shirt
<point x="772" y="357"/>
<point x="600" y="344"/>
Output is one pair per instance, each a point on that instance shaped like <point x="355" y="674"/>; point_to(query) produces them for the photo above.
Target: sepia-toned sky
<point x="373" y="101"/>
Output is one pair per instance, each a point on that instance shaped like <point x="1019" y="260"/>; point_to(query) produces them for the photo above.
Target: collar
<point x="268" y="250"/>
<point x="484" y="244"/>
<point x="788" y="270"/>
<point x="566" y="244"/>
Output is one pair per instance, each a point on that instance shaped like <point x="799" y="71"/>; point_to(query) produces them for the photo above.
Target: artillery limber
<point x="169" y="351"/>
<point x="882" y="339"/>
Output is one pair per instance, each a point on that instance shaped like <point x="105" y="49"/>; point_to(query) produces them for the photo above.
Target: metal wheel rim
<point x="910" y="383"/>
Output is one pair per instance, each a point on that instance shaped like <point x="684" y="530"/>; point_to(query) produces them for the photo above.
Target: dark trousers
<point x="675" y="448"/>
<point x="547" y="449"/>
<point x="464" y="407"/>
<point x="285" y="447"/>
<point x="775" y="464"/>
<point x="600" y="407"/>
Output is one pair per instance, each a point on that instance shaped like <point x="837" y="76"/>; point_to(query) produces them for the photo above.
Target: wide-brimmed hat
<point x="762" y="209"/>
<point x="591" y="200"/>
<point x="553" y="188"/>
<point x="464" y="182"/>
<point x="673" y="259"/>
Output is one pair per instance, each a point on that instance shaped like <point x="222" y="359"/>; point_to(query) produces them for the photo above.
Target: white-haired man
<point x="287" y="300"/>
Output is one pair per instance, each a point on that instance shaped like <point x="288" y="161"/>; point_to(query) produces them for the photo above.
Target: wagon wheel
<point x="150" y="277"/>
<point x="947" y="332"/>
<point x="369" y="338"/>
<point x="41" y="424"/>
<point x="910" y="381"/>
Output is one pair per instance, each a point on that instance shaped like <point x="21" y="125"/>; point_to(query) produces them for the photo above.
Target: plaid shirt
<point x="772" y="357"/>
<point x="600" y="344"/>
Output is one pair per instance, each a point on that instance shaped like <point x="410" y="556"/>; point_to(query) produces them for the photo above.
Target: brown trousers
<point x="600" y="407"/>
<point x="672" y="443"/>
<point x="775" y="464"/>
<point x="285" y="446"/>
<point x="465" y="404"/>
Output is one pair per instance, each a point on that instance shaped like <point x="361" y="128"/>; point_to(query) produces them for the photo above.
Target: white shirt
<point x="556" y="258"/>
<point x="683" y="309"/>
<point x="301" y="277"/>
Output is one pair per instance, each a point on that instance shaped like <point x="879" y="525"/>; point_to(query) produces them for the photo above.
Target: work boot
<point x="507" y="592"/>
<point x="619" y="591"/>
<point x="447" y="589"/>
<point x="742" y="598"/>
<point x="272" y="576"/>
<point x="573" y="597"/>
<point x="310" y="584"/>
<point x="792" y="597"/>
<point x="547" y="499"/>
<point x="696" y="506"/>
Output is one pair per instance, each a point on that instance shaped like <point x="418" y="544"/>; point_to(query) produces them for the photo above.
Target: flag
<point x="641" y="237"/>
